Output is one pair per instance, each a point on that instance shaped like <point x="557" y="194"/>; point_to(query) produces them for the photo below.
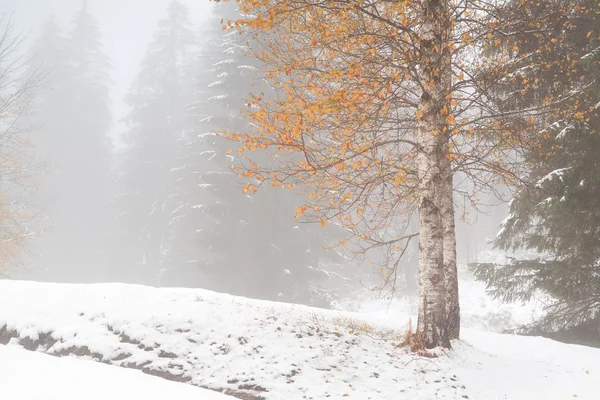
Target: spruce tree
<point x="146" y="207"/>
<point x="48" y="54"/>
<point x="75" y="117"/>
<point x="557" y="214"/>
<point x="249" y="243"/>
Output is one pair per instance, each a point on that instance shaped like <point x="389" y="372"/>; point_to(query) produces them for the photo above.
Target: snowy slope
<point x="26" y="375"/>
<point x="478" y="310"/>
<point x="256" y="349"/>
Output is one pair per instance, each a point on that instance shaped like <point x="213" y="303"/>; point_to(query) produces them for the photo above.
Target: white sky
<point x="127" y="27"/>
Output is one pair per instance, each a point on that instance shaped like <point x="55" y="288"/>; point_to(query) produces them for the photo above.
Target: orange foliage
<point x="349" y="85"/>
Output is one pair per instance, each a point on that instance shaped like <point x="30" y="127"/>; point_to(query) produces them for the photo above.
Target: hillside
<point x="67" y="378"/>
<point x="262" y="350"/>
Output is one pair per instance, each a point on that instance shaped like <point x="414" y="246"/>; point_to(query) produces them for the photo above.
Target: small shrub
<point x="415" y="341"/>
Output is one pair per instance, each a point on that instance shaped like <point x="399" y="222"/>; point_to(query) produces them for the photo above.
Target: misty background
<point x="135" y="187"/>
<point x="126" y="34"/>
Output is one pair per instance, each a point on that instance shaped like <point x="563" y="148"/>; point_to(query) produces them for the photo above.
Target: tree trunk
<point x="450" y="264"/>
<point x="432" y="291"/>
<point x="435" y="176"/>
<point x="412" y="261"/>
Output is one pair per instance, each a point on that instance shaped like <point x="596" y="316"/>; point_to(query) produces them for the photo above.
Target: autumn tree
<point x="384" y="102"/>
<point x="18" y="83"/>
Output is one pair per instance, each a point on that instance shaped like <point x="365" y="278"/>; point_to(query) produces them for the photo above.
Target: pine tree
<point x="148" y="170"/>
<point x="48" y="55"/>
<point x="557" y="215"/>
<point x="74" y="144"/>
<point x="249" y="243"/>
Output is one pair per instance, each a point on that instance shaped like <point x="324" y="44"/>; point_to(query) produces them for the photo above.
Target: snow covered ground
<point x="263" y="350"/>
<point x="25" y="375"/>
<point x="478" y="310"/>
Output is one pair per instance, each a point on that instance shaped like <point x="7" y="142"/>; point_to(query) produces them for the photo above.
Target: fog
<point x="126" y="33"/>
<point x="133" y="186"/>
<point x="300" y="199"/>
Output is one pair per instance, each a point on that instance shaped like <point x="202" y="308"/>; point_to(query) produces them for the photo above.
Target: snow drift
<point x="264" y="350"/>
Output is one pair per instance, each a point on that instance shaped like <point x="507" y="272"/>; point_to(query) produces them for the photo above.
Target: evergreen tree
<point x="48" y="55"/>
<point x="73" y="143"/>
<point x="249" y="243"/>
<point x="557" y="216"/>
<point x="149" y="234"/>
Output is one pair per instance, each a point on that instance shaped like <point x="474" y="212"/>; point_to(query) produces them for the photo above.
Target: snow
<point x="218" y="97"/>
<point x="216" y="83"/>
<point x="70" y="378"/>
<point x="557" y="173"/>
<point x="563" y="133"/>
<point x="527" y="368"/>
<point x="478" y="310"/>
<point x="229" y="61"/>
<point x="592" y="54"/>
<point x="274" y="350"/>
<point x="509" y="218"/>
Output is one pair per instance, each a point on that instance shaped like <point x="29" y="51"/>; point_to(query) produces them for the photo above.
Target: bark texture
<point x="450" y="266"/>
<point x="437" y="245"/>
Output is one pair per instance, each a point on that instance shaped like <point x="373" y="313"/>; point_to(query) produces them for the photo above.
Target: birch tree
<point x="383" y="103"/>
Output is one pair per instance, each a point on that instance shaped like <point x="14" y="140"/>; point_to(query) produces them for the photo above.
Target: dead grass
<point x="358" y="327"/>
<point x="415" y="341"/>
<point x="354" y="326"/>
<point x="412" y="340"/>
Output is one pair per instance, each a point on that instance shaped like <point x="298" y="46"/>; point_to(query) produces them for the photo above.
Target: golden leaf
<point x="400" y="179"/>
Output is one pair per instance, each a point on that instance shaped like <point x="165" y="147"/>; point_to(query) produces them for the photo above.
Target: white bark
<point x="450" y="265"/>
<point x="437" y="289"/>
